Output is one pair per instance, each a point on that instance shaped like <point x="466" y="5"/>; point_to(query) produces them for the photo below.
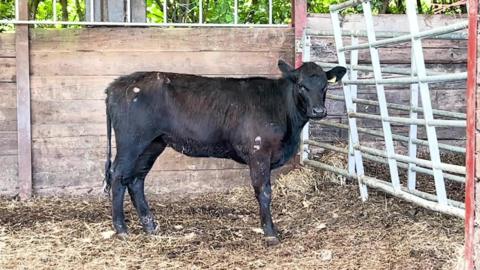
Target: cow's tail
<point x="108" y="163"/>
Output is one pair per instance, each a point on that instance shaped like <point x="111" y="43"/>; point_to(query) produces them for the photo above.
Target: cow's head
<point x="311" y="84"/>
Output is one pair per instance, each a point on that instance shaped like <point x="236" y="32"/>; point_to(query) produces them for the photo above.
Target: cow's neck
<point x="296" y="117"/>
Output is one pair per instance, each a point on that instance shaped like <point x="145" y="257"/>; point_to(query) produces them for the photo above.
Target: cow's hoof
<point x="122" y="236"/>
<point x="151" y="230"/>
<point x="271" y="241"/>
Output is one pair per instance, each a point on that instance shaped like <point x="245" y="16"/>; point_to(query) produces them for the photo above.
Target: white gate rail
<point x="418" y="77"/>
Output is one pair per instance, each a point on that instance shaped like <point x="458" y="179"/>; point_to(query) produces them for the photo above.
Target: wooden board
<point x="435" y="52"/>
<point x="8" y="95"/>
<point x="94" y="63"/>
<point x="7" y="45"/>
<point x="163" y="39"/>
<point x="382" y="22"/>
<point x="9" y="175"/>
<point x="7" y="69"/>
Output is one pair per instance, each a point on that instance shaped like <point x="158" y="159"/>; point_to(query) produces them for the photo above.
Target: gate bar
<point x="384" y="34"/>
<point x="403" y="71"/>
<point x="377" y="73"/>
<point x="402" y="194"/>
<point x="401" y="107"/>
<point x="422" y="162"/>
<point x="352" y="122"/>
<point x="404" y="120"/>
<point x="409" y="37"/>
<point x="20" y="22"/>
<point x="402" y="165"/>
<point x="426" y="103"/>
<point x="397" y="137"/>
<point x="409" y="80"/>
<point x="347" y="4"/>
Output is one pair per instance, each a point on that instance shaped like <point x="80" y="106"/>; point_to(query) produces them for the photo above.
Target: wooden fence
<point x="69" y="70"/>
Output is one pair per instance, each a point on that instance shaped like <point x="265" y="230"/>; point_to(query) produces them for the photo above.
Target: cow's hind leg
<point x="260" y="173"/>
<point x="123" y="173"/>
<point x="136" y="187"/>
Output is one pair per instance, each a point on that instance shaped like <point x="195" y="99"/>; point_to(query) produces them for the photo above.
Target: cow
<point x="255" y="121"/>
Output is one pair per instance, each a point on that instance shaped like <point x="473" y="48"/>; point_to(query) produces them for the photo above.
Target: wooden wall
<point x="71" y="68"/>
<point x="8" y="115"/>
<point x="441" y="55"/>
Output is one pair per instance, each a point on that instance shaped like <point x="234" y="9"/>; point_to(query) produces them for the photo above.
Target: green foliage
<point x="7" y="11"/>
<point x="220" y="11"/>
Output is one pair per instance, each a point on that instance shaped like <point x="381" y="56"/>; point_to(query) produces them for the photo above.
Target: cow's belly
<point x="195" y="148"/>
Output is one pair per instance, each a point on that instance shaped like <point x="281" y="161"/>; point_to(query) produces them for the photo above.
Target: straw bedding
<point x="322" y="226"/>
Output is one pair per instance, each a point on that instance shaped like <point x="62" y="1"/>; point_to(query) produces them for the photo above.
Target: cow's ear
<point x="288" y="71"/>
<point x="336" y="74"/>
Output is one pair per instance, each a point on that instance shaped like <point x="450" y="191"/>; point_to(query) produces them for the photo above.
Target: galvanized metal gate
<point x="418" y="77"/>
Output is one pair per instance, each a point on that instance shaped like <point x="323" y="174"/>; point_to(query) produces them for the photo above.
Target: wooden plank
<point x="165" y="183"/>
<point x="7" y="69"/>
<point x="129" y="39"/>
<point x="196" y="182"/>
<point x="7" y="45"/>
<point x="59" y="88"/>
<point x="8" y="177"/>
<point x="435" y="52"/>
<point x="382" y="22"/>
<point x="8" y="95"/>
<point x="51" y="157"/>
<point x="42" y="131"/>
<point x="8" y="125"/>
<point x="8" y="143"/>
<point x="23" y="104"/>
<point x="8" y="114"/>
<point x="68" y="112"/>
<point x="120" y="63"/>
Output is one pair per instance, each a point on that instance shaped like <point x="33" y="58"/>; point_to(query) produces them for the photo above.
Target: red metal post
<point x="470" y="155"/>
<point x="299" y="17"/>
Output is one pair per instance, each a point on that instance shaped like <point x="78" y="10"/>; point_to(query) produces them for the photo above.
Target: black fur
<point x="255" y="121"/>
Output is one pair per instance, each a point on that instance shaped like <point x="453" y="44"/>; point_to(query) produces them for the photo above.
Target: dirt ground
<point x="322" y="226"/>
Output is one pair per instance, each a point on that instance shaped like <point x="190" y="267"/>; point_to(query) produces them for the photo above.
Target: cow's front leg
<point x="260" y="174"/>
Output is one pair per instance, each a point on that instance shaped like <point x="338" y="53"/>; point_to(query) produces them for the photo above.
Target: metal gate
<point x="418" y="77"/>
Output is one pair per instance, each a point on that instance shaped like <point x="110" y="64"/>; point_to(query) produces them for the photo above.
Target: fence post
<point x="24" y="136"/>
<point x="299" y="22"/>
<point x="472" y="187"/>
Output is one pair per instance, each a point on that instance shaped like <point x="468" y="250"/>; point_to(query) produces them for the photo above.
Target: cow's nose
<point x="319" y="111"/>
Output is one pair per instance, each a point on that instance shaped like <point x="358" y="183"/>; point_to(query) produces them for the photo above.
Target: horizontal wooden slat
<point x="50" y="159"/>
<point x="382" y="22"/>
<point x="7" y="69"/>
<point x="8" y="114"/>
<point x="8" y="125"/>
<point x="8" y="95"/>
<point x="435" y="51"/>
<point x="121" y="63"/>
<point x="8" y="143"/>
<point x="167" y="183"/>
<point x="7" y="45"/>
<point x="42" y="131"/>
<point x="68" y="112"/>
<point x="8" y="175"/>
<point x="106" y="39"/>
<point x="57" y="88"/>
